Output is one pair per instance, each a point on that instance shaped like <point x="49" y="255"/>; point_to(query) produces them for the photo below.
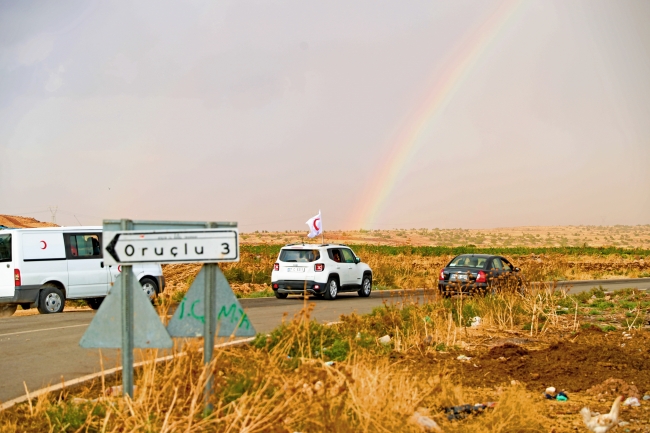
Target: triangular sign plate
<point x="188" y="320"/>
<point x="105" y="330"/>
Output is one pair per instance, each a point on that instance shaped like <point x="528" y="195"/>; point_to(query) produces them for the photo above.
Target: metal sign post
<point x="209" y="312"/>
<point x="127" y="324"/>
<point x="129" y="242"/>
<point x="127" y="331"/>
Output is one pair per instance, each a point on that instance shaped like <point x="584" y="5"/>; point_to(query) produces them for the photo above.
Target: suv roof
<point x="312" y="246"/>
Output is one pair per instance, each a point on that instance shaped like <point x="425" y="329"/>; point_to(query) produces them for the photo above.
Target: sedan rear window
<point x="468" y="262"/>
<point x="299" y="255"/>
<point x="5" y="248"/>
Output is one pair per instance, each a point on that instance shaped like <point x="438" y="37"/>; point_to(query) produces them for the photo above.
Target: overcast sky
<point x="265" y="112"/>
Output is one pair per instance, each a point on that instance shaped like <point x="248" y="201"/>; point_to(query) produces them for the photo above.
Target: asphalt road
<point x="44" y="349"/>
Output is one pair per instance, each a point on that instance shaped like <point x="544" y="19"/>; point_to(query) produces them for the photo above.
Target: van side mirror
<point x="357" y="260"/>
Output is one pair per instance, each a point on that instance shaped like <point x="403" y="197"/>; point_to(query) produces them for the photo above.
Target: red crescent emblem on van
<point x="44" y="245"/>
<point x="119" y="268"/>
<point x="315" y="226"/>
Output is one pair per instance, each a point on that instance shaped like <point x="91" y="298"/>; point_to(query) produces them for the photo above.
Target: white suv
<point x="321" y="270"/>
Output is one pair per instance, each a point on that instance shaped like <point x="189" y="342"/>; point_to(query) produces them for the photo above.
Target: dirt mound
<point x="576" y="363"/>
<point x="508" y="350"/>
<point x="614" y="387"/>
<point x="19" y="222"/>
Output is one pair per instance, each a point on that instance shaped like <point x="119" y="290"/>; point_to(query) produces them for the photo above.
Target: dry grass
<point x="308" y="377"/>
<point x="282" y="382"/>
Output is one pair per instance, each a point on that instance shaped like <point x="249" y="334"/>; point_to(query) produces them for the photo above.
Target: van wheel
<point x="7" y="310"/>
<point x="51" y="300"/>
<point x="150" y="287"/>
<point x="94" y="303"/>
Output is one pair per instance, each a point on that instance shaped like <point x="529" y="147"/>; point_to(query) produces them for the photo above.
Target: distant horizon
<point x="370" y="230"/>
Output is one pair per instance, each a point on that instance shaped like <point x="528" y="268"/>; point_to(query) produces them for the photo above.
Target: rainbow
<point x="447" y="84"/>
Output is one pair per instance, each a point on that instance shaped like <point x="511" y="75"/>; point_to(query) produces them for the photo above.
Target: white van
<point x="46" y="266"/>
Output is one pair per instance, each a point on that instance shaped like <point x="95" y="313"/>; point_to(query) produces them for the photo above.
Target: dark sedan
<point x="471" y="273"/>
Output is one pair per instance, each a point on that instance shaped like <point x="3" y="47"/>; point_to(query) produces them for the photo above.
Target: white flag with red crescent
<point x="315" y="226"/>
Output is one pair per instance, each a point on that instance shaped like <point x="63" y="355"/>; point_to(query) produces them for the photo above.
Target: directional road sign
<point x="178" y="246"/>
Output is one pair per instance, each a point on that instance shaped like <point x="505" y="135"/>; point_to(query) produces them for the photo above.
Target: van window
<point x="84" y="246"/>
<point x="5" y="248"/>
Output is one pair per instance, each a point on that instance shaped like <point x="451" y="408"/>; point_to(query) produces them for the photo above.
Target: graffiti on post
<point x="230" y="319"/>
<point x="233" y="313"/>
<point x="236" y="312"/>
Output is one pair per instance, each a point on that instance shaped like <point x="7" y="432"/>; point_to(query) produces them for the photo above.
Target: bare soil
<point x="575" y="363"/>
<point x="593" y="367"/>
<point x="19" y="222"/>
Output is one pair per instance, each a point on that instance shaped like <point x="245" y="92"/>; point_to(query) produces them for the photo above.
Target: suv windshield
<point x="468" y="262"/>
<point x="299" y="255"/>
<point x="5" y="248"/>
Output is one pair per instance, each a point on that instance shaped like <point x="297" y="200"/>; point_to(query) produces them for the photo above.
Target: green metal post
<point x="127" y="322"/>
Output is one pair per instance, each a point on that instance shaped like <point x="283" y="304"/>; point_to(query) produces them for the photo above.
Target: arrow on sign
<point x="110" y="248"/>
<point x="203" y="246"/>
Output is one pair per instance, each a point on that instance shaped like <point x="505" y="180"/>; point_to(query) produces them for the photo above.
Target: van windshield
<point x="5" y="248"/>
<point x="299" y="255"/>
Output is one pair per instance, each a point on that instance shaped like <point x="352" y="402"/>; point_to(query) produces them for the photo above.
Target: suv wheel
<point x="366" y="287"/>
<point x="332" y="289"/>
<point x="280" y="295"/>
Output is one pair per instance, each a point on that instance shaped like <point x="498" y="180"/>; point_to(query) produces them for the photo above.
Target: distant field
<point x="413" y="258"/>
<point x="531" y="237"/>
<point x="407" y="267"/>
<point x="556" y="236"/>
